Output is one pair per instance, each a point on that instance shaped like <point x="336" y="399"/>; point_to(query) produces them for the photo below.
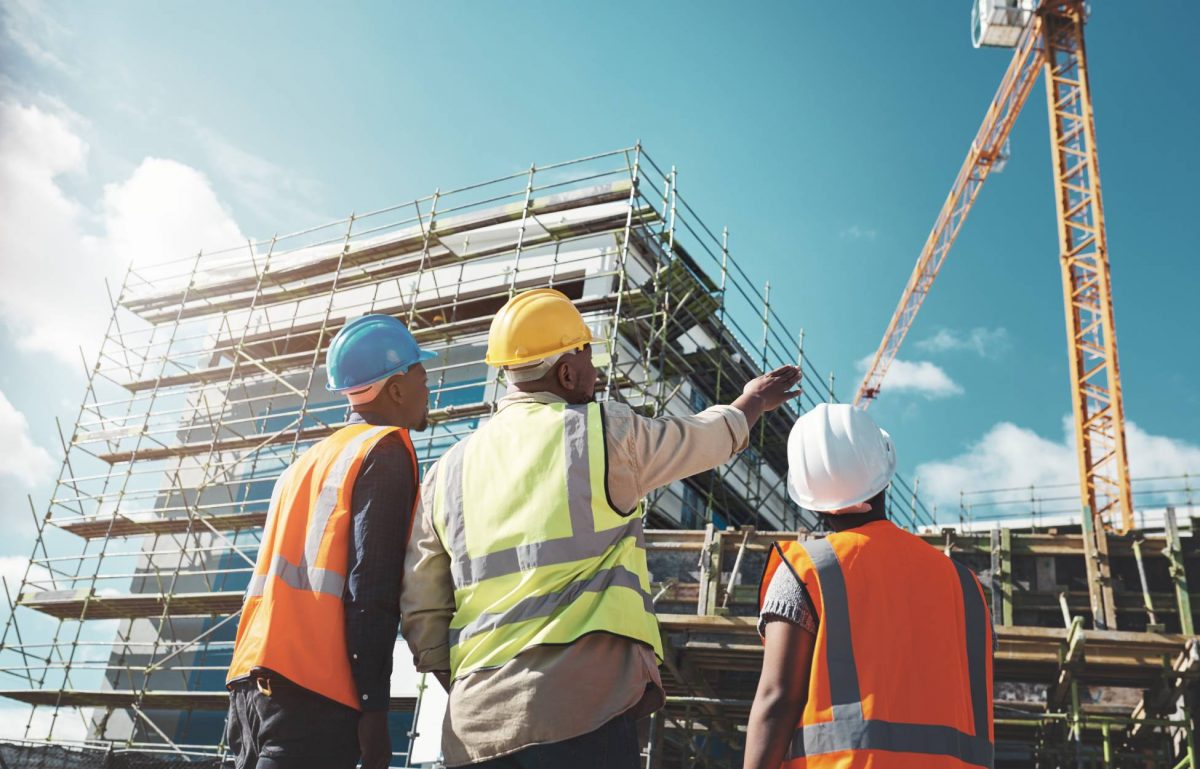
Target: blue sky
<point x="824" y="135"/>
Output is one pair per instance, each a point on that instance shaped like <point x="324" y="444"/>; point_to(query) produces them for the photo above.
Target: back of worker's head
<point x="377" y="364"/>
<point x="839" y="460"/>
<point x="542" y="344"/>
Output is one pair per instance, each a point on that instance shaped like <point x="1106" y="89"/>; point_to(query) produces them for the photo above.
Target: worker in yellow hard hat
<point x="526" y="590"/>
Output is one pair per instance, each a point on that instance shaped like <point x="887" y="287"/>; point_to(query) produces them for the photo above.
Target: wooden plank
<point x="151" y="700"/>
<point x="410" y="243"/>
<point x="121" y="526"/>
<point x="72" y="604"/>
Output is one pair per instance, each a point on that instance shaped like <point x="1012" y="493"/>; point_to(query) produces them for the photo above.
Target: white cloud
<point x="56" y="252"/>
<point x="984" y="342"/>
<point x="1009" y="456"/>
<point x="12" y="569"/>
<point x="918" y="377"/>
<point x="68" y="727"/>
<point x="1155" y="455"/>
<point x="858" y="232"/>
<point x="20" y="458"/>
<point x="165" y="210"/>
<point x="35" y="627"/>
<point x="32" y="28"/>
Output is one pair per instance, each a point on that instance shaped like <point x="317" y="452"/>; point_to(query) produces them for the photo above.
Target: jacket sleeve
<point x="666" y="449"/>
<point x="381" y="508"/>
<point x="427" y="598"/>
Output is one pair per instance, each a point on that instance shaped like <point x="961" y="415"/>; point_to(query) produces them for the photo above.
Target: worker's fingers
<point x="790" y="378"/>
<point x="782" y="377"/>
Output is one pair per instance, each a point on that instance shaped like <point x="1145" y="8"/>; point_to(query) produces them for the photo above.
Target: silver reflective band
<point x="468" y="571"/>
<point x="931" y="739"/>
<point x="975" y="613"/>
<point x="304" y="576"/>
<point x="839" y="646"/>
<point x="313" y="580"/>
<point x="584" y="542"/>
<point x="579" y="469"/>
<point x="545" y="605"/>
<point x="331" y="490"/>
<point x="849" y="730"/>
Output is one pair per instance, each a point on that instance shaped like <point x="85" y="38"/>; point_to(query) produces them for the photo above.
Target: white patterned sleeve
<point x="787" y="601"/>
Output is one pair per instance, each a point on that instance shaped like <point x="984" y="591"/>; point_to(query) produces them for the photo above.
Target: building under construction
<point x="210" y="382"/>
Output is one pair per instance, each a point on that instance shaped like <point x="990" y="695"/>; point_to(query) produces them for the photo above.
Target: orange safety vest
<point x="902" y="667"/>
<point x="293" y="618"/>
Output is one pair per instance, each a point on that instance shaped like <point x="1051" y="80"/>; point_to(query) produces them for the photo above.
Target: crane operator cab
<point x="999" y="23"/>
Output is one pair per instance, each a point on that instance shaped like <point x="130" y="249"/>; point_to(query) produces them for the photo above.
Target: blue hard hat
<point x="368" y="349"/>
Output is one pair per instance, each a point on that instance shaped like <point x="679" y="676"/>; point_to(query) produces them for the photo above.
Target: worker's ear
<point x="395" y="389"/>
<point x="566" y="374"/>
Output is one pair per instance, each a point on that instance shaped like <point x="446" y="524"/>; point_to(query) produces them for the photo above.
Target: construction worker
<point x="310" y="679"/>
<point x="878" y="648"/>
<point x="526" y="591"/>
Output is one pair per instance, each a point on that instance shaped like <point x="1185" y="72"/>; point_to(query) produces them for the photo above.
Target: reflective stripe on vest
<point x="849" y="730"/>
<point x="584" y="542"/>
<point x="603" y="563"/>
<point x="304" y="575"/>
<point x="545" y="605"/>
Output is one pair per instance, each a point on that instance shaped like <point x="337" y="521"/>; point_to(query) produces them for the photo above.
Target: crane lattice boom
<point x="1052" y="41"/>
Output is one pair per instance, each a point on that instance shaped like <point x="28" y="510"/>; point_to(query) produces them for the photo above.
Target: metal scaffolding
<point x="1066" y="693"/>
<point x="210" y="382"/>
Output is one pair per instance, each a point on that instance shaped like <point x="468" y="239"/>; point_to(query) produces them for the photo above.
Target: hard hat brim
<point x="827" y="506"/>
<point x="422" y="356"/>
<point x="520" y="360"/>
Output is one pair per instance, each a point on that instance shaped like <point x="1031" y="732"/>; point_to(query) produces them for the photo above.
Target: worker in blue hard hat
<point x="310" y="678"/>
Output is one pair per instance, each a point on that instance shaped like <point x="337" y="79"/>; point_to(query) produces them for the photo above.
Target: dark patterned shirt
<point x="381" y="509"/>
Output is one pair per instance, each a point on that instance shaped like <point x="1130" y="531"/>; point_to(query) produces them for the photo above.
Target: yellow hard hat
<point x="534" y="325"/>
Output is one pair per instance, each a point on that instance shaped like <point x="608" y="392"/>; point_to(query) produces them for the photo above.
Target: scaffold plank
<point x="121" y="526"/>
<point x="149" y="700"/>
<point x="302" y="358"/>
<point x="1025" y="654"/>
<point x="260" y="441"/>
<point x="417" y="260"/>
<point x="398" y="246"/>
<point x="72" y="604"/>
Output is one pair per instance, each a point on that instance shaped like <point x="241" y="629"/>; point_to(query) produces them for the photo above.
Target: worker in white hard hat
<point x="526" y="590"/>
<point x="878" y="647"/>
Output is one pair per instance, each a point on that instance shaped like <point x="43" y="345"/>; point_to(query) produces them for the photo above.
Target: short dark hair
<point x="878" y="512"/>
<point x="878" y="503"/>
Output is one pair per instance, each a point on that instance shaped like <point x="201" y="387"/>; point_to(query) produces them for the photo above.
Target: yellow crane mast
<point x="1046" y="36"/>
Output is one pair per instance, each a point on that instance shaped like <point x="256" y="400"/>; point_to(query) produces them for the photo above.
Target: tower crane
<point x="1047" y="36"/>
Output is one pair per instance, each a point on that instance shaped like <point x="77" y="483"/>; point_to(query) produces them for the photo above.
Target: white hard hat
<point x="837" y="457"/>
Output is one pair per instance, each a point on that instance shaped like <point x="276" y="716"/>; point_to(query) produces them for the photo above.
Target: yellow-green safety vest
<point x="538" y="552"/>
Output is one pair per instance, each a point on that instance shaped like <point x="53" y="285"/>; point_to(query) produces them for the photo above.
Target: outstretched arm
<point x="652" y="452"/>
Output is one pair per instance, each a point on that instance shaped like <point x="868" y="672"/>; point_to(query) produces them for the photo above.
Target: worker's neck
<point x="379" y="415"/>
<point x="848" y="521"/>
<point x="541" y="386"/>
<point x="553" y="388"/>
